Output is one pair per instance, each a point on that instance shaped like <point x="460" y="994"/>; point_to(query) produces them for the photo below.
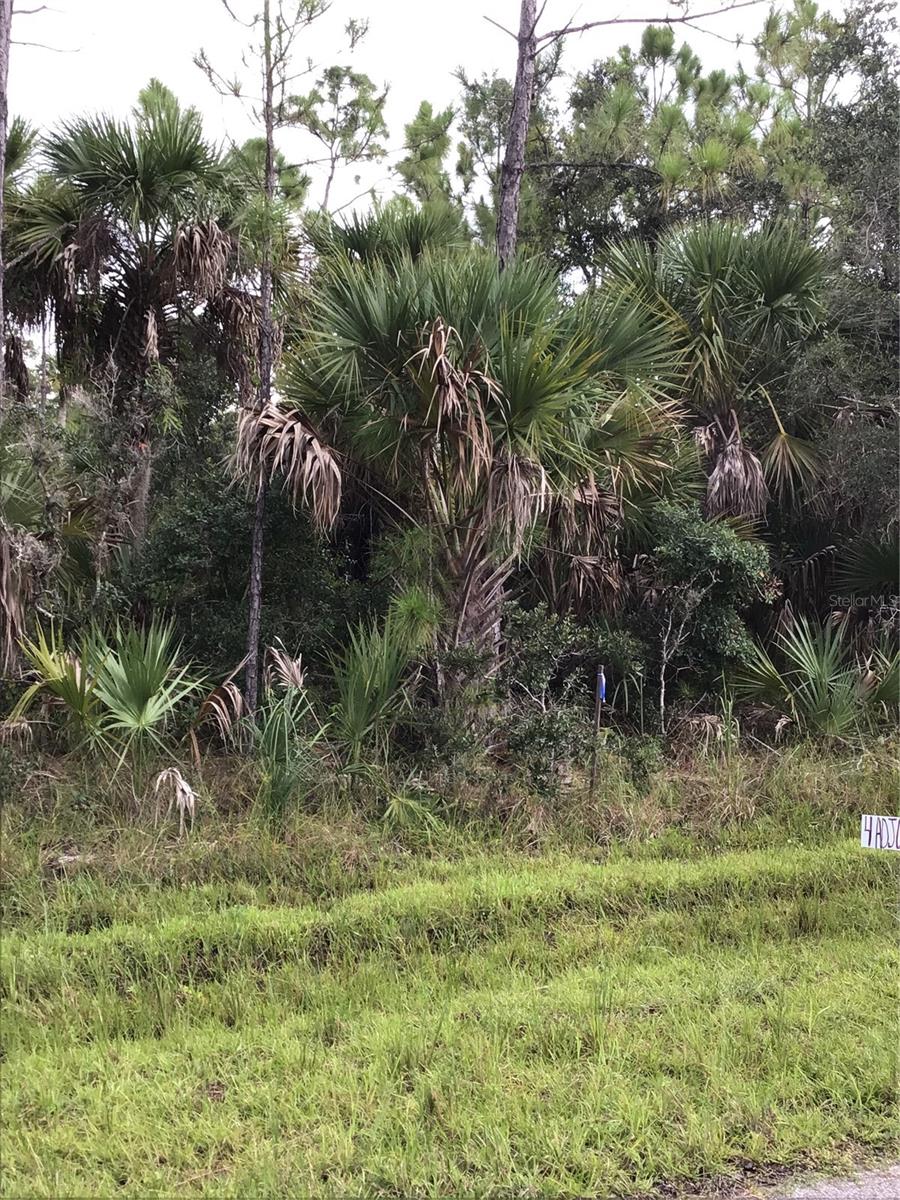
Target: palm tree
<point x="742" y="303"/>
<point x="473" y="403"/>
<point x="394" y="230"/>
<point x="820" y="681"/>
<point x="20" y="140"/>
<point x="119" y="242"/>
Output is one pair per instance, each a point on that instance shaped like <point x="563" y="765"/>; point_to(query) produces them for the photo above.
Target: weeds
<point x="260" y="1011"/>
<point x="285" y="738"/>
<point x="742" y="998"/>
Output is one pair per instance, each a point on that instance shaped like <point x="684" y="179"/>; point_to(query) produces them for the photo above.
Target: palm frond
<point x="140" y="686"/>
<point x="202" y="252"/>
<point x="396" y="230"/>
<point x="737" y="485"/>
<point x="869" y="567"/>
<point x="791" y="464"/>
<point x="67" y="677"/>
<point x="819" y="687"/>
<point x="276" y="441"/>
<point x="368" y="677"/>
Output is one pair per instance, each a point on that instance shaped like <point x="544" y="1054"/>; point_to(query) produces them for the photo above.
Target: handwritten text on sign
<point x="880" y="833"/>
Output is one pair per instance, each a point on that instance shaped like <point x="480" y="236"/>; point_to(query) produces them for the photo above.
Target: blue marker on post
<point x="599" y="698"/>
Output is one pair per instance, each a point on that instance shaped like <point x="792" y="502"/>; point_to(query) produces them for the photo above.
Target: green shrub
<point x="545" y="744"/>
<point x="818" y="682"/>
<point x="121" y="693"/>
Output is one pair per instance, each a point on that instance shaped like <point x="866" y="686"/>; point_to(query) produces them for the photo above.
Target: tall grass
<point x="568" y="1029"/>
<point x="285" y="735"/>
<point x="368" y="678"/>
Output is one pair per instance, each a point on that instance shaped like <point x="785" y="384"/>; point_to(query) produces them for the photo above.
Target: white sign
<point x="879" y="833"/>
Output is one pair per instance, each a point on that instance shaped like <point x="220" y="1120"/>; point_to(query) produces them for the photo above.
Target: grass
<point x="331" y="1011"/>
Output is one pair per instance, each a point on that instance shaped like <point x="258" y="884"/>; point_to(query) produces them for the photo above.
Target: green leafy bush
<point x="723" y="574"/>
<point x="545" y="744"/>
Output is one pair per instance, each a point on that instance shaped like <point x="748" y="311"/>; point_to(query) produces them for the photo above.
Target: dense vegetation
<point x="320" y="537"/>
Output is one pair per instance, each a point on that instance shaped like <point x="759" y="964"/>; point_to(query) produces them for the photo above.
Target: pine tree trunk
<point x="520" y="117"/>
<point x="251" y="676"/>
<point x="140" y="504"/>
<point x="5" y="24"/>
<point x="264" y="395"/>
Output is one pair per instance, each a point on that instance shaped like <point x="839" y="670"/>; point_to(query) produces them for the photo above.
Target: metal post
<point x="599" y="697"/>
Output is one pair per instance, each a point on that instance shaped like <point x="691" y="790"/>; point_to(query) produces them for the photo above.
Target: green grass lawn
<point x="495" y="1025"/>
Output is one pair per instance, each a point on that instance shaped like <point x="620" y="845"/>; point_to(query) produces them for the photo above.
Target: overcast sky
<point x="105" y="50"/>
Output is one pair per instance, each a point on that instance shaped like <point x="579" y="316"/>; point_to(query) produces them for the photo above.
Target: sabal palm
<point x="123" y="691"/>
<point x="477" y="402"/>
<point x="395" y="229"/>
<point x="741" y="302"/>
<point x="820" y="684"/>
<point x="122" y="227"/>
<point x="119" y="242"/>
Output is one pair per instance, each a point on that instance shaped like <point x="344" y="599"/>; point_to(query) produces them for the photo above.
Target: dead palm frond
<point x="202" y="252"/>
<point x="224" y="706"/>
<point x="579" y="562"/>
<point x="518" y="492"/>
<point x="275" y="441"/>
<point x="181" y="796"/>
<point x="584" y="514"/>
<point x="150" y="345"/>
<point x="16" y="731"/>
<point x="455" y="399"/>
<point x="585" y="579"/>
<point x="705" y="437"/>
<point x="237" y="312"/>
<point x="284" y="670"/>
<point x="737" y="484"/>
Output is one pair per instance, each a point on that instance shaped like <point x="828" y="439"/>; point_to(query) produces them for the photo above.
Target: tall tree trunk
<point x="477" y="584"/>
<point x="140" y="501"/>
<point x="328" y="183"/>
<point x="5" y="26"/>
<point x="266" y="365"/>
<point x="520" y="117"/>
<point x="45" y="388"/>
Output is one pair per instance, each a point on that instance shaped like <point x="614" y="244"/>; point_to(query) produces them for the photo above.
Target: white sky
<point x="110" y="48"/>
